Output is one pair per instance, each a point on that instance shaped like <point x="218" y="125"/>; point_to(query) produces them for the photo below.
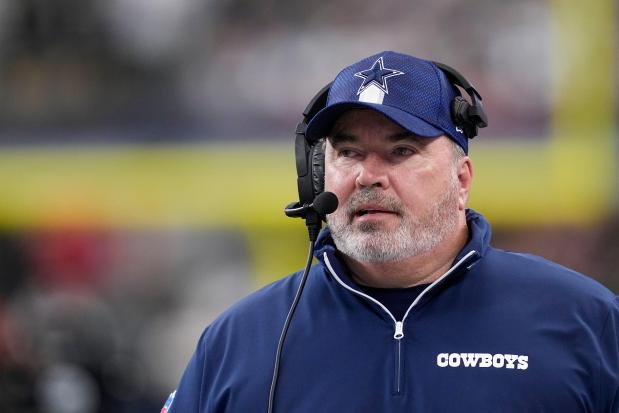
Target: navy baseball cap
<point x="412" y="92"/>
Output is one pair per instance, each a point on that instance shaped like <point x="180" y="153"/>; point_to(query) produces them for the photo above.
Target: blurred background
<point x="146" y="153"/>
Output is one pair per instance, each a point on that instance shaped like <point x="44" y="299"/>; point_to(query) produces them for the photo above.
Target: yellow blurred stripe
<point x="583" y="159"/>
<point x="227" y="186"/>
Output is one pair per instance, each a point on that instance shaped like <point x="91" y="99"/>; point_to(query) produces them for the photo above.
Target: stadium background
<point x="146" y="153"/>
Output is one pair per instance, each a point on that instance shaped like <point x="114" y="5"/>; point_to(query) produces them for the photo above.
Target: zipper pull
<point x="399" y="330"/>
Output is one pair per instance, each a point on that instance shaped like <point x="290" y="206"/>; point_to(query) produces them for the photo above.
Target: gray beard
<point x="416" y="235"/>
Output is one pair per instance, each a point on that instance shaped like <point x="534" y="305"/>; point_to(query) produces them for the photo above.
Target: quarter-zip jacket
<point x="498" y="332"/>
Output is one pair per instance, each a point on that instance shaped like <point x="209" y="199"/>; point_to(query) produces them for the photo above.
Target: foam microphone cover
<point x="325" y="203"/>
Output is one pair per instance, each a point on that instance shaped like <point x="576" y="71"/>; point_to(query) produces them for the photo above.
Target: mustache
<point x="373" y="196"/>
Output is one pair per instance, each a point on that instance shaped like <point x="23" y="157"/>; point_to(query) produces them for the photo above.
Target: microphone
<point x="324" y="203"/>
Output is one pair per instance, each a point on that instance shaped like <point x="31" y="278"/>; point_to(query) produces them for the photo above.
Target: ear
<point x="465" y="178"/>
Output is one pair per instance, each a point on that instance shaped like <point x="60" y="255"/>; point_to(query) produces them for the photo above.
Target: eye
<point x="347" y="153"/>
<point x="403" y="151"/>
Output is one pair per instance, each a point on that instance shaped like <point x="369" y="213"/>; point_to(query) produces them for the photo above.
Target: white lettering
<point x="469" y="359"/>
<point x="523" y="362"/>
<point x="484" y="360"/>
<point x="510" y="358"/>
<point x="498" y="361"/>
<point x="442" y="360"/>
<point x="454" y="360"/>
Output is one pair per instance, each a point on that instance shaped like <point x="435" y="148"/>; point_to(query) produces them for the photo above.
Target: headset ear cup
<point x="318" y="167"/>
<point x="459" y="111"/>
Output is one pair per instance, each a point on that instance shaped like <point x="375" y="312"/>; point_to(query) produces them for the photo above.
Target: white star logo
<point x="376" y="75"/>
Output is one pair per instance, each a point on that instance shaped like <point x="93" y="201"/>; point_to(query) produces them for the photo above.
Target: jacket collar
<point x="480" y="234"/>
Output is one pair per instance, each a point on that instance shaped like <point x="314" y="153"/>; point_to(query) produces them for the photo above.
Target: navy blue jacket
<point x="499" y="332"/>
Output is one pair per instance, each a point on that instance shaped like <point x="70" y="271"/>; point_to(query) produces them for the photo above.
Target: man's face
<point x="400" y="195"/>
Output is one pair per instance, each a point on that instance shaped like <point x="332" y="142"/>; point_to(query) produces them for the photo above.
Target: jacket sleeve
<point x="188" y="396"/>
<point x="609" y="362"/>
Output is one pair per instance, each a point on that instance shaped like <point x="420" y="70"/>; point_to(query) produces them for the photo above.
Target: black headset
<point x="310" y="157"/>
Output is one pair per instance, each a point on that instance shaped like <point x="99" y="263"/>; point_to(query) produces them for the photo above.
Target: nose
<point x="372" y="173"/>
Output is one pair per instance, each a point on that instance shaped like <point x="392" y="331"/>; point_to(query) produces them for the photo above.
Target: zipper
<point x="398" y="334"/>
<point x="399" y="330"/>
<point x="398" y="367"/>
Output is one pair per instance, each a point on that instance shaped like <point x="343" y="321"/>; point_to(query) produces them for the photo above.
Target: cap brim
<point x="321" y="124"/>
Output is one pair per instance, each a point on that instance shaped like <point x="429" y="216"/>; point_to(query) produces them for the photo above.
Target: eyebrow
<point x="343" y="137"/>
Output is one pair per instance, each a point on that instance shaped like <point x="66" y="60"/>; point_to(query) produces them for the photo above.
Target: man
<point x="409" y="308"/>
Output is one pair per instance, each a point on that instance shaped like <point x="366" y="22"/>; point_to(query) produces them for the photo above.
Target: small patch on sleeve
<point x="168" y="403"/>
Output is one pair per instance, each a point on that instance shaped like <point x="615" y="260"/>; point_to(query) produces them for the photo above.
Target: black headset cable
<point x="282" y="337"/>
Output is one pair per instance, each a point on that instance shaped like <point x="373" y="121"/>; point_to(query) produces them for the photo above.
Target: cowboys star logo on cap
<point x="374" y="86"/>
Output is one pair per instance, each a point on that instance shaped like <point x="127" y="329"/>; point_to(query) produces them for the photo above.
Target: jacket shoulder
<point x="530" y="269"/>
<point x="270" y="298"/>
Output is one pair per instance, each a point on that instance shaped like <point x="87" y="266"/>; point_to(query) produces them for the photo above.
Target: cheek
<point x="417" y="189"/>
<point x="337" y="181"/>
